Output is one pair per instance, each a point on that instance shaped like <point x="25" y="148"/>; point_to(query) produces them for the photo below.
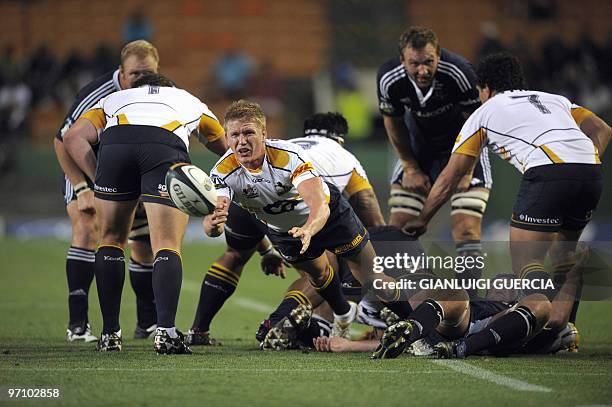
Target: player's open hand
<point x="272" y="263"/>
<point x="331" y="344"/>
<point x="85" y="201"/>
<point x="304" y="235"/>
<point x="415" y="180"/>
<point x="415" y="228"/>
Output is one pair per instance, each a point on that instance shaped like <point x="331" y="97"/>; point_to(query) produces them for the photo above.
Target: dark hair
<point x="155" y="79"/>
<point x="331" y="125"/>
<point x="501" y="71"/>
<point x="418" y="38"/>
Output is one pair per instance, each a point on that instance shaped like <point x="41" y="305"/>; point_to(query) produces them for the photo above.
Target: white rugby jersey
<point x="335" y="164"/>
<point x="528" y="129"/>
<point x="173" y="109"/>
<point x="269" y="192"/>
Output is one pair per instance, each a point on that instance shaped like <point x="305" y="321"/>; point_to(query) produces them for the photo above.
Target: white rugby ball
<point x="191" y="189"/>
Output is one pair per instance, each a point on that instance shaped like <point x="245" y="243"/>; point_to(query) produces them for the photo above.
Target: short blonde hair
<point x="141" y="49"/>
<point x="244" y="110"/>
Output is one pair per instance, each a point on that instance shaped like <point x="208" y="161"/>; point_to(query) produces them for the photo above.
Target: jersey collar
<point x="116" y="80"/>
<point x="422" y="98"/>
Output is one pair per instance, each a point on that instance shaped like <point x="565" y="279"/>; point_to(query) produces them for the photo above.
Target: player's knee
<point x="85" y="232"/>
<point x="234" y="259"/>
<point x="467" y="209"/>
<point x="404" y="206"/>
<point x="540" y="307"/>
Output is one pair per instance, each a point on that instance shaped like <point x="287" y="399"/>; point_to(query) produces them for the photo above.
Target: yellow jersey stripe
<point x="210" y="128"/>
<point x="122" y="119"/>
<point x="550" y="154"/>
<point x="278" y="158"/>
<point x="173" y="125"/>
<point x="305" y="167"/>
<point x="96" y="117"/>
<point x="580" y="114"/>
<point x="473" y="145"/>
<point x="229" y="164"/>
<point x="356" y="183"/>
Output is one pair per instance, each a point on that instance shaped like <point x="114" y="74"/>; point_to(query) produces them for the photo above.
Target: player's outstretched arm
<point x="311" y="191"/>
<point x="214" y="223"/>
<point x="598" y="131"/>
<point x="78" y="141"/>
<point x="446" y="184"/>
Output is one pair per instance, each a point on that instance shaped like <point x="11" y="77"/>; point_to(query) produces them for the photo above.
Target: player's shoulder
<point x="458" y="69"/>
<point x="281" y="152"/>
<point x="227" y="164"/>
<point x="103" y="85"/>
<point x="391" y="71"/>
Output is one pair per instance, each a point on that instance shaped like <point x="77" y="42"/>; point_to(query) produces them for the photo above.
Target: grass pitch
<point x="34" y="353"/>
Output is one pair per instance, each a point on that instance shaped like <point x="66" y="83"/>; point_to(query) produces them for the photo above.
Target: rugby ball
<point x="191" y="189"/>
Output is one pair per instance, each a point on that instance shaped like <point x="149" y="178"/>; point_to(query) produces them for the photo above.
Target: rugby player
<point x="137" y="58"/>
<point x="555" y="144"/>
<point x="145" y="130"/>
<point x="323" y="138"/>
<point x="425" y="94"/>
<point x="277" y="182"/>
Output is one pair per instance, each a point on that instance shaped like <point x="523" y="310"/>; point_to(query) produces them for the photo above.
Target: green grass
<point x="33" y="353"/>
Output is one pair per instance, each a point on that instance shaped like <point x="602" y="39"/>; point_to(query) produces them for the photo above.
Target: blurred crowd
<point x="582" y="71"/>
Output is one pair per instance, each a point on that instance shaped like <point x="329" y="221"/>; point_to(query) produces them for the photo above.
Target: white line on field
<point x="253" y="305"/>
<point x="484" y="374"/>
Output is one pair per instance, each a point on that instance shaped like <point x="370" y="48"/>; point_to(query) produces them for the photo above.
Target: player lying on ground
<point x="277" y="182"/>
<point x="323" y="139"/>
<point x="144" y="131"/>
<point x="496" y="325"/>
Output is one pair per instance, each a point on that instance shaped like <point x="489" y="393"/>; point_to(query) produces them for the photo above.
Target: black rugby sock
<point x="331" y="291"/>
<point x="218" y="285"/>
<point x="167" y="278"/>
<point x="110" y="276"/>
<point x="425" y="318"/>
<point x="506" y="330"/>
<point x="141" y="279"/>
<point x="79" y="273"/>
<point x="291" y="300"/>
<point x="471" y="250"/>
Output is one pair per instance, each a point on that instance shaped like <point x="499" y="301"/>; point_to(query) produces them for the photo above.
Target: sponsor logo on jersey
<point x="349" y="246"/>
<point x="104" y="189"/>
<point x="386" y="107"/>
<point x="539" y="221"/>
<point x="259" y="179"/>
<point x="281" y="188"/>
<point x="163" y="190"/>
<point x="250" y="191"/>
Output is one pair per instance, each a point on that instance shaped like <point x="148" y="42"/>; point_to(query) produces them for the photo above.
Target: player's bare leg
<point x="467" y="210"/>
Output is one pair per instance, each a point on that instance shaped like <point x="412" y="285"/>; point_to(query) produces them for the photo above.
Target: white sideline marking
<point x="253" y="305"/>
<point x="484" y="374"/>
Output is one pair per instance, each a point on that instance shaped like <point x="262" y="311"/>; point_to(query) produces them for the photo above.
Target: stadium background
<point x="294" y="57"/>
